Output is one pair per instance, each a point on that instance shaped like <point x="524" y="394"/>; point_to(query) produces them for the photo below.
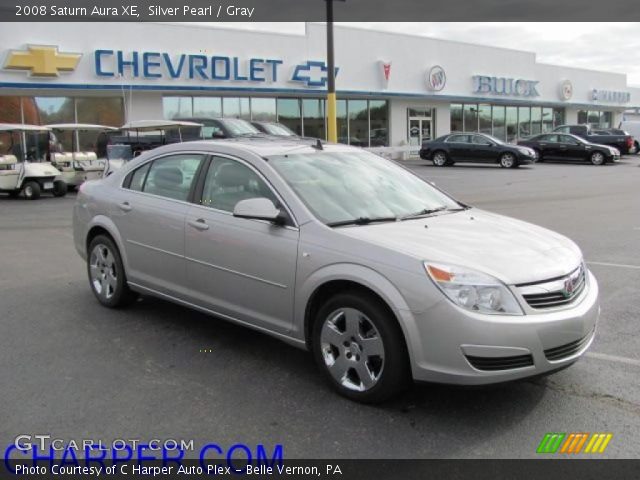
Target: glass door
<point x="419" y="131"/>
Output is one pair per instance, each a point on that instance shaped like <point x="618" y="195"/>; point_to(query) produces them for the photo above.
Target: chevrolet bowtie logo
<point x="312" y="73"/>
<point x="42" y="61"/>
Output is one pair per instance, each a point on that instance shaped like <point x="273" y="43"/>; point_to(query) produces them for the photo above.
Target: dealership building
<point x="393" y="89"/>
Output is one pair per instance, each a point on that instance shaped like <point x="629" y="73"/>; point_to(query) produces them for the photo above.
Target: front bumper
<point x="448" y="340"/>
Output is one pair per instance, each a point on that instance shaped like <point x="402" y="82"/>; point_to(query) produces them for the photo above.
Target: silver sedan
<point x="330" y="248"/>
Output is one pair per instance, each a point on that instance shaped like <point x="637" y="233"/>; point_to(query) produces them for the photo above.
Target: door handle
<point x="125" y="207"/>
<point x="199" y="224"/>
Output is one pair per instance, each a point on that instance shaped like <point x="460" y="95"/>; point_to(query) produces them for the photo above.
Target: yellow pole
<point x="332" y="123"/>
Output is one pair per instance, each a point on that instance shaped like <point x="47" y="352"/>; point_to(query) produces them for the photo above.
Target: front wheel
<point x="440" y="159"/>
<point x="31" y="190"/>
<point x="59" y="188"/>
<point x="106" y="273"/>
<point x="597" y="158"/>
<point x="508" y="160"/>
<point x="360" y="349"/>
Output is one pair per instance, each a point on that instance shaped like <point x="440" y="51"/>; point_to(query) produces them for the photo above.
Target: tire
<point x="106" y="273"/>
<point x="59" y="188"/>
<point x="508" y="160"/>
<point x="440" y="158"/>
<point x="539" y="154"/>
<point x="345" y="327"/>
<point x="597" y="158"/>
<point x="31" y="190"/>
<point x="636" y="148"/>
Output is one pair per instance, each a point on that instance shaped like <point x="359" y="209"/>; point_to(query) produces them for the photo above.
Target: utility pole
<point x="332" y="124"/>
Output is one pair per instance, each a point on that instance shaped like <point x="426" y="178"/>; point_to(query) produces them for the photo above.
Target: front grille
<point x="566" y="350"/>
<point x="500" y="363"/>
<point x="560" y="292"/>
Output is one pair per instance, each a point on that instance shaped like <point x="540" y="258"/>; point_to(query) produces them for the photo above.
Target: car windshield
<point x="240" y="127"/>
<point x="358" y="186"/>
<point x="275" y="129"/>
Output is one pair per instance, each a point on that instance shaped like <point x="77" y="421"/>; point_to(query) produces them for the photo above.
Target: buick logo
<point x="566" y="90"/>
<point x="436" y="78"/>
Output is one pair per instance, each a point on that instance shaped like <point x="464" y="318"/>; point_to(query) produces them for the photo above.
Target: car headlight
<point x="473" y="290"/>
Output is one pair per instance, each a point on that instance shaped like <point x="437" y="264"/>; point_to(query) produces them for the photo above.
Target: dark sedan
<point x="219" y="128"/>
<point x="570" y="148"/>
<point x="475" y="147"/>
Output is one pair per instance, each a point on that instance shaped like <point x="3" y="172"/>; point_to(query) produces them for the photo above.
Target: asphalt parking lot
<point x="74" y="369"/>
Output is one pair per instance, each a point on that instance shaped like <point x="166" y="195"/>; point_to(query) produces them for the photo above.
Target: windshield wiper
<point x="422" y="213"/>
<point x="361" y="221"/>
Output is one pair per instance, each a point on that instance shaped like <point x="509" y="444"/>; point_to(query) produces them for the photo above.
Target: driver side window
<point x="228" y="182"/>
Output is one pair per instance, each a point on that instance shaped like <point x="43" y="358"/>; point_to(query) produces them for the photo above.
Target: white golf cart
<point x="24" y="170"/>
<point x="142" y="135"/>
<point x="78" y="166"/>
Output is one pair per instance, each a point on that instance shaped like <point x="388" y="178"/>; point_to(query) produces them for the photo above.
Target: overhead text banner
<point x="314" y="10"/>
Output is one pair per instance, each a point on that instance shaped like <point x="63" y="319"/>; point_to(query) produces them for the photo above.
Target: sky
<point x="611" y="47"/>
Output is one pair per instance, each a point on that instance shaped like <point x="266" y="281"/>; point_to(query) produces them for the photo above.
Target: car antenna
<point x="318" y="145"/>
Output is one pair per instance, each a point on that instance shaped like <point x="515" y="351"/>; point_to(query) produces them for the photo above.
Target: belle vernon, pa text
<point x="135" y="11"/>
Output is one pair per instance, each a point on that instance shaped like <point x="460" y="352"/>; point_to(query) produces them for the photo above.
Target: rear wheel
<point x="106" y="273"/>
<point x="508" y="160"/>
<point x="31" y="190"/>
<point x="59" y="188"/>
<point x="360" y="348"/>
<point x="440" y="158"/>
<point x="597" y="158"/>
<point x="636" y="148"/>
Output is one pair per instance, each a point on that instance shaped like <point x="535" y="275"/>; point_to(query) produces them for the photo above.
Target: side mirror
<point x="218" y="134"/>
<point x="259" y="209"/>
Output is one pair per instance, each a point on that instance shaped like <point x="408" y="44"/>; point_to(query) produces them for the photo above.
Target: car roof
<point x="22" y="127"/>
<point x="261" y="146"/>
<point x="157" y="124"/>
<point x="79" y="126"/>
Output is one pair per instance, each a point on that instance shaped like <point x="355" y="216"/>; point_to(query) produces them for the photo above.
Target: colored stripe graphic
<point x="573" y="443"/>
<point x="551" y="442"/>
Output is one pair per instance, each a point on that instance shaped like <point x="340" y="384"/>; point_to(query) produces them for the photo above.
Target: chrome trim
<point x="235" y="272"/>
<point x="144" y="245"/>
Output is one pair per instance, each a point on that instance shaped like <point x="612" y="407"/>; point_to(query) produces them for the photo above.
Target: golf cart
<point x="78" y="166"/>
<point x="138" y="136"/>
<point x="22" y="167"/>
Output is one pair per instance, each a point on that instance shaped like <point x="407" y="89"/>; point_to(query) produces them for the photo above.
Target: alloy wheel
<point x="507" y="160"/>
<point x="440" y="159"/>
<point x="597" y="158"/>
<point x="352" y="349"/>
<point x="103" y="273"/>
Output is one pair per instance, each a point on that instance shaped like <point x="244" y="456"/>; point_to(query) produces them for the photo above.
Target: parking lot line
<point x="613" y="358"/>
<point x="619" y="265"/>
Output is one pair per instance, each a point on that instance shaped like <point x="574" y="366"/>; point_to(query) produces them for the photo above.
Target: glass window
<point x="547" y="119"/>
<point x="207" y="107"/>
<point x="235" y="107"/>
<point x="456" y="117"/>
<point x="379" y="122"/>
<point x="263" y="109"/>
<point x="480" y="140"/>
<point x="458" y="139"/>
<point x="358" y="123"/>
<point x="582" y="116"/>
<point x="55" y="110"/>
<point x="512" y="123"/>
<point x="313" y="117"/>
<point x="344" y="186"/>
<point x="605" y="119"/>
<point x="524" y="122"/>
<point x="536" y="120"/>
<point x="558" y="116"/>
<point x="471" y="118"/>
<point x="172" y="176"/>
<point x="289" y="113"/>
<point x="564" y="129"/>
<point x="135" y="180"/>
<point x="341" y="122"/>
<point x="484" y="115"/>
<point x="11" y="110"/>
<point x="593" y="118"/>
<point x="549" y="138"/>
<point x="107" y="111"/>
<point x="499" y="129"/>
<point x="175" y="107"/>
<point x="229" y="182"/>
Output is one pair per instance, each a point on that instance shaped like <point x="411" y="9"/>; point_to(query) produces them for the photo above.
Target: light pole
<point x="332" y="124"/>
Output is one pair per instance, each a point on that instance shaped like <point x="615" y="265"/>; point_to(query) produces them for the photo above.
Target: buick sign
<point x="436" y="78"/>
<point x="505" y="86"/>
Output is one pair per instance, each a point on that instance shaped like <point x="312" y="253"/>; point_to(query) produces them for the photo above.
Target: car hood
<point x="606" y="147"/>
<point x="511" y="250"/>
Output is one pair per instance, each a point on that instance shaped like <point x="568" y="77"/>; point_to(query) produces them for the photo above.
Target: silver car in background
<point x="381" y="275"/>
